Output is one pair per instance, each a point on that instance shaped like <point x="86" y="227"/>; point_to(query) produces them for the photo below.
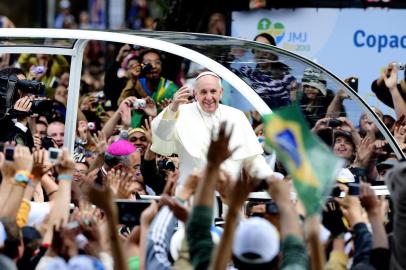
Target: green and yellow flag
<point x="312" y="166"/>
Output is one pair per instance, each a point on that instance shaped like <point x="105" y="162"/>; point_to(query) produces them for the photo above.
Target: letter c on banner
<point x="356" y="34"/>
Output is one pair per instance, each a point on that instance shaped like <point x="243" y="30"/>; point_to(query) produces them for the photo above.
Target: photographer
<point x="16" y="106"/>
<point x="153" y="84"/>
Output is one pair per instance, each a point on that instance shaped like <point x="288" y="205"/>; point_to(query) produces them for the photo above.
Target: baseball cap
<point x="343" y="133"/>
<point x="256" y="236"/>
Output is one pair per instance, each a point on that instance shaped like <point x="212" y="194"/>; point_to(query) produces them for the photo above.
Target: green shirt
<point x="165" y="90"/>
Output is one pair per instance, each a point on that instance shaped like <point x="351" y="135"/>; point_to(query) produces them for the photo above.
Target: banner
<point x="348" y="42"/>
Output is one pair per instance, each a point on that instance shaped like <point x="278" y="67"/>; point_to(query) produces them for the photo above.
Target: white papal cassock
<point x="187" y="133"/>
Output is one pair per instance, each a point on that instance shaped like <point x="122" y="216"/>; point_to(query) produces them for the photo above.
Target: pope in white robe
<point x="185" y="129"/>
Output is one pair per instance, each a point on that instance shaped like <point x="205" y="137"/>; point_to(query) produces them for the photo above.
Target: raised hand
<point x="37" y="141"/>
<point x="218" y="149"/>
<point x="23" y="160"/>
<point x="39" y="167"/>
<point x="123" y="52"/>
<point x="321" y="124"/>
<point x="180" y="97"/>
<point x="240" y="191"/>
<point x="65" y="163"/>
<point x="113" y="180"/>
<point x="82" y="129"/>
<point x="181" y="212"/>
<point x="127" y="186"/>
<point x="224" y="186"/>
<point x="365" y="152"/>
<point x="351" y="209"/>
<point x="150" y="107"/>
<point x="102" y="198"/>
<point x="100" y="141"/>
<point x="391" y="80"/>
<point x="125" y="110"/>
<point x="190" y="186"/>
<point x="24" y="105"/>
<point x="399" y="133"/>
<point x="147" y="128"/>
<point x="369" y="200"/>
<point x="279" y="191"/>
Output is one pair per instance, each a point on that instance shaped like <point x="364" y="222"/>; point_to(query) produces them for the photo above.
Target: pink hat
<point x="121" y="148"/>
<point x="130" y="56"/>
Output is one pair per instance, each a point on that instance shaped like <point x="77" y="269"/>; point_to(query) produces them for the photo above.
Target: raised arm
<point x="60" y="210"/>
<point x="398" y="101"/>
<point x="163" y="125"/>
<point x="198" y="227"/>
<point x="238" y="196"/>
<point x="22" y="165"/>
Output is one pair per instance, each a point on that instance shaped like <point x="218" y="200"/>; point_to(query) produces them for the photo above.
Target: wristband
<point x="65" y="177"/>
<point x="21" y="178"/>
<point x="26" y="173"/>
<point x="182" y="201"/>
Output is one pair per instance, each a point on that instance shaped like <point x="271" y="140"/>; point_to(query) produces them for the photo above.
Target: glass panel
<point x="281" y="78"/>
<point x="49" y="42"/>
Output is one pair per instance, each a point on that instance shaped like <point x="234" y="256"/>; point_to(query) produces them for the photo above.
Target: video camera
<point x="9" y="95"/>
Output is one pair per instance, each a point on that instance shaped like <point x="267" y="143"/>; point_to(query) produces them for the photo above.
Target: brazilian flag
<point x="311" y="164"/>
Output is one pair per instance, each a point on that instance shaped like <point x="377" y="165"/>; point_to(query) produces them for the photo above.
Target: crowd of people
<point x="140" y="133"/>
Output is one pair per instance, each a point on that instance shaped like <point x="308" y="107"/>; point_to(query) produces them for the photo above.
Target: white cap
<point x="205" y="73"/>
<point x="256" y="236"/>
<point x="179" y="235"/>
<point x="345" y="176"/>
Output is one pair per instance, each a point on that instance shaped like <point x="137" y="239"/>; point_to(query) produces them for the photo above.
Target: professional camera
<point x="9" y="95"/>
<point x="166" y="165"/>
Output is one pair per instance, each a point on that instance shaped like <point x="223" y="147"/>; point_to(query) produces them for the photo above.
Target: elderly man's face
<point x="208" y="93"/>
<point x="135" y="165"/>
